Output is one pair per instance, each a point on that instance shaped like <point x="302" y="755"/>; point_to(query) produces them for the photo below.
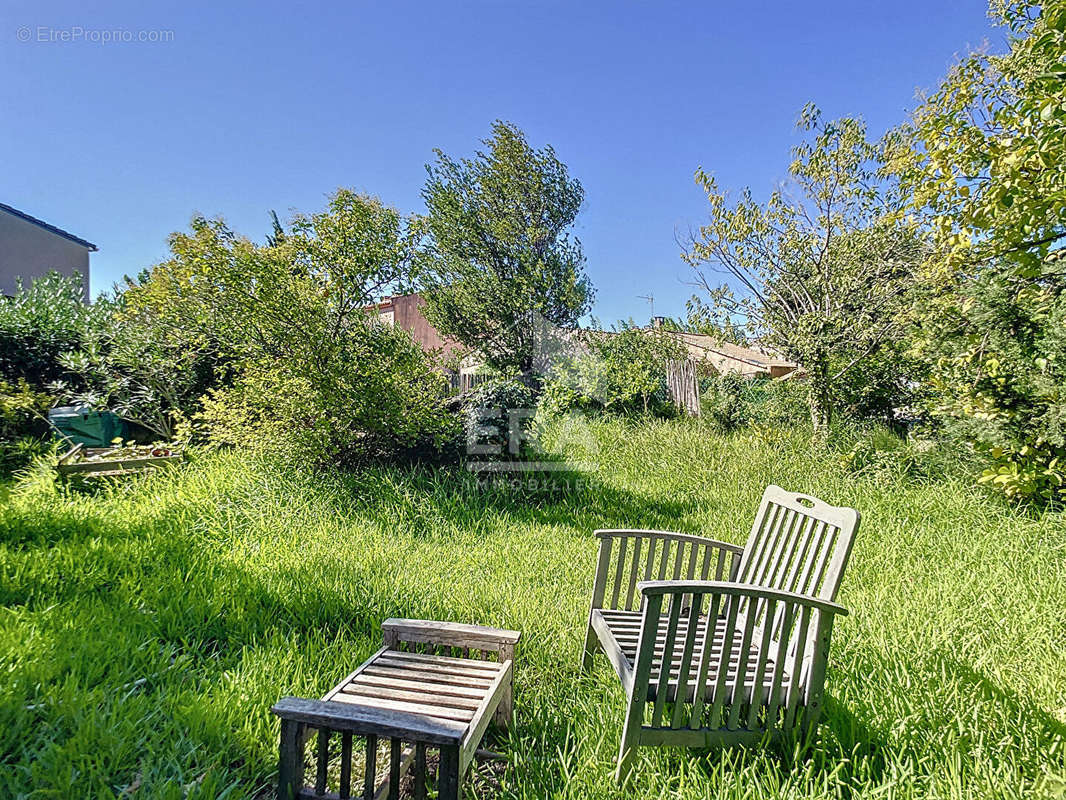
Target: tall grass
<point x="147" y="628"/>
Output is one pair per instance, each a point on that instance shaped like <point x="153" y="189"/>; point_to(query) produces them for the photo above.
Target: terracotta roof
<point x="51" y="228"/>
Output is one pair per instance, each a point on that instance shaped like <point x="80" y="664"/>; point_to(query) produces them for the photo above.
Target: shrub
<point x="982" y="160"/>
<point x="727" y="402"/>
<point x="886" y="386"/>
<point x="998" y="362"/>
<point x="102" y="355"/>
<point x="781" y="402"/>
<point x="376" y="395"/>
<point x="42" y="322"/>
<point x="490" y="413"/>
<point x="731" y="401"/>
<point x="1030" y="472"/>
<point x="23" y="424"/>
<point x="147" y="373"/>
<point x="877" y="450"/>
<point x="619" y="370"/>
<point x="557" y="397"/>
<point x="315" y="375"/>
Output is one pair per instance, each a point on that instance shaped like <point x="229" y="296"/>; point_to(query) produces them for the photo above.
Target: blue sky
<point x="254" y="106"/>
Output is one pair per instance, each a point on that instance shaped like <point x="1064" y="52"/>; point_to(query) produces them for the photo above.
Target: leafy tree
<point x="985" y="159"/>
<point x="819" y="271"/>
<point x="501" y="270"/>
<point x="703" y="320"/>
<point x="985" y="155"/>
<point x="618" y="368"/>
<point x="315" y="375"/>
<point x="141" y="370"/>
<point x="277" y="231"/>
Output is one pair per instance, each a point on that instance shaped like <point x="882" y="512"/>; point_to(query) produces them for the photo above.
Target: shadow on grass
<point x="122" y="638"/>
<point x="562" y="497"/>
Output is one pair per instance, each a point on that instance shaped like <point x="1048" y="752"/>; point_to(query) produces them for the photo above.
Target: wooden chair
<point x="717" y="644"/>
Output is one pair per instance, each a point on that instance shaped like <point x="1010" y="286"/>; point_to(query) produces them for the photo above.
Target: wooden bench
<point x="432" y="686"/>
<point x="718" y="644"/>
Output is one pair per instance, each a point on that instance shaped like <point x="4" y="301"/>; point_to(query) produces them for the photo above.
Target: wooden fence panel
<point x="684" y="386"/>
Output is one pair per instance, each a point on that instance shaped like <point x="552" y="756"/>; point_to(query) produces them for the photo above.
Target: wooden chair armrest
<point x="650" y="588"/>
<point x="450" y="634"/>
<point x="672" y="535"/>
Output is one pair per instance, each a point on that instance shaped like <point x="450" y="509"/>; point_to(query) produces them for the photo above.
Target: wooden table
<point x="432" y="686"/>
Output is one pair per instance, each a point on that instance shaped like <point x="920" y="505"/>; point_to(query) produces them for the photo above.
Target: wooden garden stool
<point x="433" y="686"/>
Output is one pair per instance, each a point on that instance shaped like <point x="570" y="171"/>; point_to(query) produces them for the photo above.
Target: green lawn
<point x="146" y="630"/>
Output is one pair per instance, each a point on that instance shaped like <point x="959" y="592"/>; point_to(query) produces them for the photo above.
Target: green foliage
<point x="888" y="386"/>
<point x="23" y="409"/>
<point x="314" y="375"/>
<point x="820" y="272"/>
<point x="999" y="366"/>
<point x="147" y="627"/>
<point x="1026" y="472"/>
<point x="781" y="403"/>
<point x="500" y="271"/>
<point x="985" y="155"/>
<point x="23" y="424"/>
<point x="558" y="396"/>
<point x="985" y="158"/>
<point x="621" y="369"/>
<point x="42" y="322"/>
<point x="881" y="454"/>
<point x="101" y="355"/>
<point x="727" y="402"/>
<point x="141" y="369"/>
<point x="492" y="411"/>
<point x="701" y="318"/>
<point x="731" y="402"/>
<point x="377" y="397"/>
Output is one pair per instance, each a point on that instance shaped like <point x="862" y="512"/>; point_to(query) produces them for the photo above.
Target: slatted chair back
<point x="628" y="557"/>
<point x="799" y="544"/>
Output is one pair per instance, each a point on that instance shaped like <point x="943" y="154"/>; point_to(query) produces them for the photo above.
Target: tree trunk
<point x="530" y="378"/>
<point x="819" y="400"/>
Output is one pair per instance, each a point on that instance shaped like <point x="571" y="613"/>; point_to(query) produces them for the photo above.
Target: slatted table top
<point x="421" y="685"/>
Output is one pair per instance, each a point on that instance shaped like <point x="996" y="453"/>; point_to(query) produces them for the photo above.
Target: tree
<point x="985" y="155"/>
<point x="705" y="321"/>
<point x="500" y="267"/>
<point x="820" y="271"/>
<point x="620" y="367"/>
<point x="985" y="159"/>
<point x="315" y="375"/>
<point x="140" y="370"/>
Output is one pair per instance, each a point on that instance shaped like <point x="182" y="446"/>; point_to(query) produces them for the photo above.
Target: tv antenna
<point x="651" y="301"/>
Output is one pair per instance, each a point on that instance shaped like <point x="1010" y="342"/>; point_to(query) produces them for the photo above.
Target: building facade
<point x="31" y="248"/>
<point x="405" y="311"/>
